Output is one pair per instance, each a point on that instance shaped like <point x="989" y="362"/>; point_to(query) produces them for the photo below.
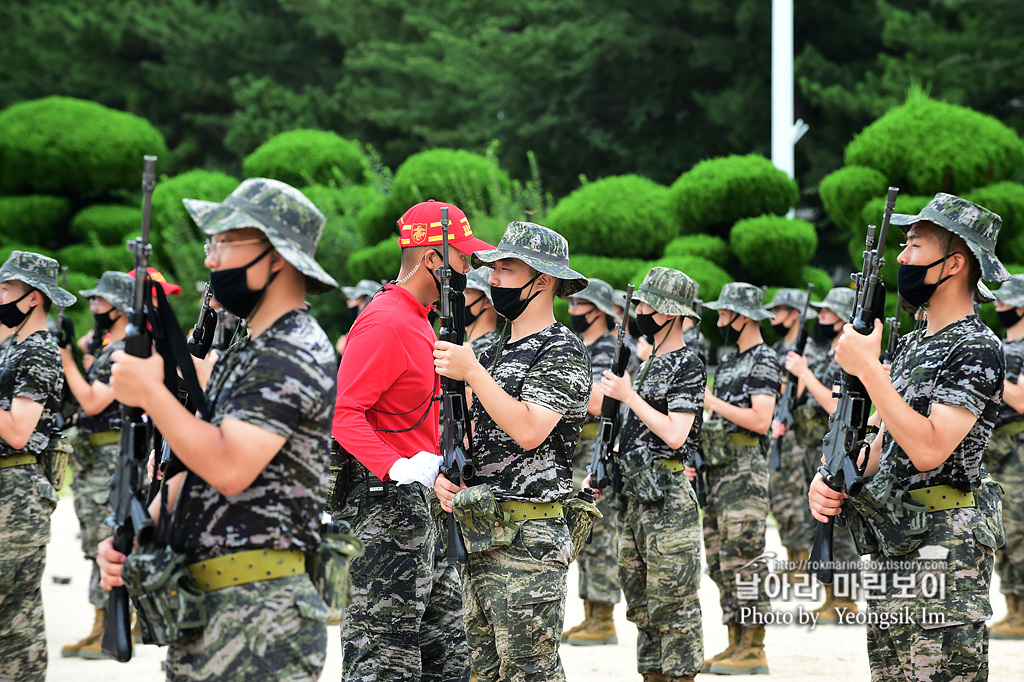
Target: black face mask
<point x="910" y="282"/>
<point x="353" y="312"/>
<point x="103" y="321"/>
<point x="1008" y="318"/>
<point x="10" y="316"/>
<point x="780" y="330"/>
<point x="731" y="335"/>
<point x="579" y="322"/>
<point x="506" y="300"/>
<point x="468" y="316"/>
<point x="232" y="291"/>
<point x="458" y="280"/>
<point x="824" y="332"/>
<point x="648" y="327"/>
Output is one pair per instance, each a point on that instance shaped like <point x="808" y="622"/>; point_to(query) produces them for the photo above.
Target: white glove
<point x="420" y="468"/>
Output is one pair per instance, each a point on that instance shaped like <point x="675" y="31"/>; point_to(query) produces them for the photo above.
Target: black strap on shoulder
<point x="170" y="344"/>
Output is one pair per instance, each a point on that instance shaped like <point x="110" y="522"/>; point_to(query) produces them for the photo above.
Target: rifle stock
<point x="785" y="411"/>
<point x="603" y="469"/>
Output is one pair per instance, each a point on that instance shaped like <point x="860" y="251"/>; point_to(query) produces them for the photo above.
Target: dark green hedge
<point x="61" y="145"/>
<point x="308" y="157"/>
<point x="1006" y="199"/>
<point x="926" y="146"/>
<point x="615" y="271"/>
<point x="34" y="219"/>
<point x="844" y="193"/>
<point x="819" y="278"/>
<point x="95" y="260"/>
<point x="773" y="248"/>
<point x="472" y="182"/>
<point x="624" y="216"/>
<point x="381" y="261"/>
<point x="716" y="193"/>
<point x="715" y="249"/>
<point x="109" y="224"/>
<point x="376" y="222"/>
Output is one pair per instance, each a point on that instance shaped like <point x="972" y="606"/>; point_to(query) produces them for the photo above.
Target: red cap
<point x="154" y="274"/>
<point x="421" y="226"/>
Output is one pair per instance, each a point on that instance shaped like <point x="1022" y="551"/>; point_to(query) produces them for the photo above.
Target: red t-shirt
<point x="387" y="382"/>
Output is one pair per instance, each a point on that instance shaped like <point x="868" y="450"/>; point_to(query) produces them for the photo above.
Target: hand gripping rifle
<point x="788" y="402"/>
<point x="456" y="464"/>
<point x="894" y="334"/>
<point x="604" y="470"/>
<point x="129" y="518"/>
<point x="848" y="425"/>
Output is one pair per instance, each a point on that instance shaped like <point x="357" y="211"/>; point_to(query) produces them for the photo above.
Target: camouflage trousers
<point x="26" y="502"/>
<point x="267" y="630"/>
<point x="92" y="506"/>
<point x="598" y="562"/>
<point x="659" y="564"/>
<point x="404" y="621"/>
<point x="1008" y="469"/>
<point x="787" y="490"/>
<point x="734" y="530"/>
<point x="515" y="604"/>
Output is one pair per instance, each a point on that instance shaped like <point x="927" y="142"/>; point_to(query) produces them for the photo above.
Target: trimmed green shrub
<point x="491" y="228"/>
<point x="472" y="182"/>
<point x="615" y="271"/>
<point x="925" y="146"/>
<point x="62" y="145"/>
<point x="773" y="248"/>
<point x="624" y="216"/>
<point x="377" y="262"/>
<point x="816" y="276"/>
<point x="307" y="157"/>
<point x="715" y="249"/>
<point x="106" y="223"/>
<point x="1006" y="199"/>
<point x="376" y="222"/>
<point x="714" y="194"/>
<point x="35" y="218"/>
<point x="844" y="193"/>
<point x="96" y="259"/>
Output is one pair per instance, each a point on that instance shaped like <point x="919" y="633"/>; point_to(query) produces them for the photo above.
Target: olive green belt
<point x="1011" y="429"/>
<point x="524" y="511"/>
<point x="590" y="431"/>
<point x="104" y="438"/>
<point x="743" y="439"/>
<point x="941" y="497"/>
<point x="245" y="567"/>
<point x="674" y="465"/>
<point x="17" y="460"/>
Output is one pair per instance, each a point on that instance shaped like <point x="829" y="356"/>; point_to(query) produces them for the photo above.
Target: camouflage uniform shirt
<point x="283" y="382"/>
<point x="755" y="371"/>
<point x="1013" y="355"/>
<point x="695" y="341"/>
<point x="826" y="370"/>
<point x="31" y="369"/>
<point x="110" y="417"/>
<point x="551" y="369"/>
<point x="479" y="345"/>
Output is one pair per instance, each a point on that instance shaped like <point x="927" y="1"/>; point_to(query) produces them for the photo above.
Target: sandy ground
<point x="794" y="652"/>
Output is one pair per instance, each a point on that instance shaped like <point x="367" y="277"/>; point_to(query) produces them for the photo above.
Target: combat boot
<point x="1011" y="627"/>
<point x="655" y="676"/>
<point x="734" y="640"/>
<point x="73" y="650"/>
<point x="747" y="659"/>
<point x="829" y="612"/>
<point x="599" y="631"/>
<point x="588" y="607"/>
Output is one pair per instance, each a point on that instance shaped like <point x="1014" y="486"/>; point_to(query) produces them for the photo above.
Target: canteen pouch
<point x="329" y="567"/>
<point x="54" y="460"/>
<point x="580" y="515"/>
<point x="989" y="500"/>
<point x="170" y="607"/>
<point x="482" y="522"/>
<point x="641" y="474"/>
<point x="810" y="424"/>
<point x="884" y="518"/>
<point x="714" y="444"/>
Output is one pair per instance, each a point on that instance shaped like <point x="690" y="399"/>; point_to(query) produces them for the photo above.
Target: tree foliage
<point x="304" y="157"/>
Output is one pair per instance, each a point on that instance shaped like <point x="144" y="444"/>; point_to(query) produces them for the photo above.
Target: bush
<point x="714" y="194"/>
<point x="926" y="146"/>
<point x="816" y="276"/>
<point x="615" y="271"/>
<point x="472" y="182"/>
<point x="35" y="218"/>
<point x="1006" y="199"/>
<point x="376" y="222"/>
<point x="106" y="223"/>
<point x="844" y="193"/>
<point x="96" y="259"/>
<point x="773" y="248"/>
<point x="61" y="145"/>
<point x="715" y="249"/>
<point x="377" y="262"/>
<point x="624" y="216"/>
<point x="308" y="157"/>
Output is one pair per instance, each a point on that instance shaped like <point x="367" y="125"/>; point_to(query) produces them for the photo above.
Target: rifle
<point x="129" y="517"/>
<point x="604" y="470"/>
<point x="894" y="334"/>
<point x="785" y="412"/>
<point x="848" y="425"/>
<point x="456" y="464"/>
<point x="226" y="325"/>
<point x="696" y="460"/>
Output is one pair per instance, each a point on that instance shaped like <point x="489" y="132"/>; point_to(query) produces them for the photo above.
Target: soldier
<point x="387" y="419"/>
<point x="481" y="321"/>
<point x="356" y="299"/>
<point x="659" y="545"/>
<point x="96" y="447"/>
<point x="530" y="398"/>
<point x="256" y="476"/>
<point x="735" y="446"/>
<point x="1004" y="459"/>
<point x="592" y="316"/>
<point x="30" y="386"/>
<point x="925" y="487"/>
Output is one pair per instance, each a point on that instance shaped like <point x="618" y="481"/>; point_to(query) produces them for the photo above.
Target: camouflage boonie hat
<point x="600" y="293"/>
<point x="117" y="288"/>
<point x="670" y="292"/>
<point x="792" y="298"/>
<point x="291" y="222"/>
<point x="39" y="272"/>
<point x="542" y="249"/>
<point x="839" y="300"/>
<point x="742" y="298"/>
<point x="365" y="287"/>
<point x="478" y="279"/>
<point x="1012" y="292"/>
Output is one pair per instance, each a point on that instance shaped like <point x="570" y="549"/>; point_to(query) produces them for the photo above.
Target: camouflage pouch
<point x="810" y="424"/>
<point x="339" y="472"/>
<point x="329" y="566"/>
<point x="989" y="499"/>
<point x="641" y="475"/>
<point x="171" y="608"/>
<point x="82" y="457"/>
<point x="482" y="523"/>
<point x="714" y="444"/>
<point x="54" y="460"/>
<point x="886" y="517"/>
<point x="580" y="515"/>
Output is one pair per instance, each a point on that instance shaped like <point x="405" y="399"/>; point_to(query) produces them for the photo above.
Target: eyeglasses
<point x="212" y="247"/>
